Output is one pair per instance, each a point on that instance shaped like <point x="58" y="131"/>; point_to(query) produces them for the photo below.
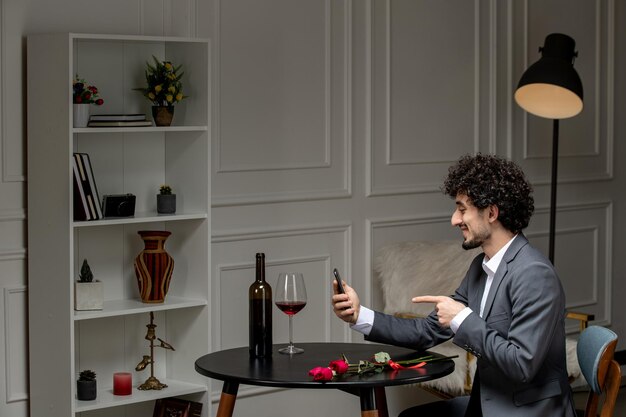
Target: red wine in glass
<point x="290" y="298"/>
<point x="290" y="307"/>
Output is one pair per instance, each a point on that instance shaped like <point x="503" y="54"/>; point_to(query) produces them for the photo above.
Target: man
<point x="509" y="310"/>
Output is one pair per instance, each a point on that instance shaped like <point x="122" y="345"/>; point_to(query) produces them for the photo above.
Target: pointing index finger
<point x="429" y="299"/>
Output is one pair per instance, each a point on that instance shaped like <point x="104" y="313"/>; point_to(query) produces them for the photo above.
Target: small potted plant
<point x="88" y="294"/>
<point x="86" y="386"/>
<point x="83" y="95"/>
<point x="166" y="200"/>
<point x="164" y="89"/>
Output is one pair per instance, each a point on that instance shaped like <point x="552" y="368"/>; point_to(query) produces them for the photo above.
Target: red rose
<point x="321" y="374"/>
<point x="79" y="99"/>
<point x="340" y="366"/>
<point x="87" y="95"/>
<point x="99" y="102"/>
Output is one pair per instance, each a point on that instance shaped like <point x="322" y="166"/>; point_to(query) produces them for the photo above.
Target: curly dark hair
<point x="489" y="179"/>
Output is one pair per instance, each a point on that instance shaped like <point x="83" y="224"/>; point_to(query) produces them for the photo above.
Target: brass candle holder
<point x="152" y="382"/>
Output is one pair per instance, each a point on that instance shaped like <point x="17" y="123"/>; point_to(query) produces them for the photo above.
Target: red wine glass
<point x="290" y="298"/>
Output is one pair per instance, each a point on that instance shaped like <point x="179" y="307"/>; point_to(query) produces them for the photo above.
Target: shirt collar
<point x="491" y="265"/>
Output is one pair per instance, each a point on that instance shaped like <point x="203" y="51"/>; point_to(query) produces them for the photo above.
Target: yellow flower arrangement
<point x="164" y="86"/>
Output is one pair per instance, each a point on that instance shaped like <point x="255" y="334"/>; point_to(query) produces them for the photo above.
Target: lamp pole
<point x="555" y="160"/>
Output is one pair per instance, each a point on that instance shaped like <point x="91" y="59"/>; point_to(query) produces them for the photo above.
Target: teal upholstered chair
<point x="595" y="350"/>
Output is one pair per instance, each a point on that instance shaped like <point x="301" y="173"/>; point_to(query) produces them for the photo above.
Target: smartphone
<point x="339" y="282"/>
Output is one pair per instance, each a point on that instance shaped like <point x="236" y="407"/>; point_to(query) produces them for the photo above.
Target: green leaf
<point x="382" y="357"/>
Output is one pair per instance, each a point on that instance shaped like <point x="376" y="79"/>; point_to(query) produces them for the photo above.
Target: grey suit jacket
<point x="519" y="343"/>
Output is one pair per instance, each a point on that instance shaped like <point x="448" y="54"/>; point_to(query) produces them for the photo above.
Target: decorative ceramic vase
<point x="81" y="115"/>
<point x="166" y="203"/>
<point x="153" y="266"/>
<point x="86" y="390"/>
<point x="162" y="115"/>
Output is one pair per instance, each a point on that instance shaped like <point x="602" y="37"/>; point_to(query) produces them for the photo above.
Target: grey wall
<point x="334" y="123"/>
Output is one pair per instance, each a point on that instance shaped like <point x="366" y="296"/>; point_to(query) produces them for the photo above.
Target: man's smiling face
<point x="473" y="222"/>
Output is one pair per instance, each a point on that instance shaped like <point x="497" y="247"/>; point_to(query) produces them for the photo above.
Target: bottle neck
<point x="260" y="267"/>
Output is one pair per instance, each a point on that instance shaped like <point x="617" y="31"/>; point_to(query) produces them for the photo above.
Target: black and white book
<point x="81" y="208"/>
<point x="116" y="117"/>
<point x="88" y="186"/>
<point x="113" y="123"/>
<point x="92" y="184"/>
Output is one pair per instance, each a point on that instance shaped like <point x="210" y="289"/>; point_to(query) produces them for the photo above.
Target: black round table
<point x="234" y="367"/>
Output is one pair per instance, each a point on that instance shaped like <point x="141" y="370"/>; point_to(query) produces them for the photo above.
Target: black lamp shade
<point x="551" y="87"/>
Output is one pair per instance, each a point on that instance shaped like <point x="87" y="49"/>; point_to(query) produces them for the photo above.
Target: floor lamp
<point x="551" y="88"/>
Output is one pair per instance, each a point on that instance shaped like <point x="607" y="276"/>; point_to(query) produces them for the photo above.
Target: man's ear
<point x="493" y="213"/>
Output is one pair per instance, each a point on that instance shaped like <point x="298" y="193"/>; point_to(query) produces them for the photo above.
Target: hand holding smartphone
<point x="339" y="281"/>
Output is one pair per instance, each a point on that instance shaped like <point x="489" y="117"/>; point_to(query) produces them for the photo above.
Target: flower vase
<point x="162" y="115"/>
<point x="81" y="115"/>
<point x="153" y="266"/>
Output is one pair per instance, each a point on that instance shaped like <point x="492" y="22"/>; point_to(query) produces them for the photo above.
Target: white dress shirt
<point x="365" y="321"/>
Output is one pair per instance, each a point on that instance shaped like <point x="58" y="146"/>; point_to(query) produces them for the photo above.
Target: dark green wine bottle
<point x="260" y="312"/>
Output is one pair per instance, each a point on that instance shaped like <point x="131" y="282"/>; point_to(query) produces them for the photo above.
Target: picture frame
<point x="176" y="407"/>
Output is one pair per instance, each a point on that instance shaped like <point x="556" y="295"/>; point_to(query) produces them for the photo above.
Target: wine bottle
<point x="260" y="312"/>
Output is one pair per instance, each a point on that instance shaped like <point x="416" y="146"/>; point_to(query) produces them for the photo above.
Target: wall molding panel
<point x="397" y="121"/>
<point x="249" y="268"/>
<point x="12" y="132"/>
<point x="12" y="215"/>
<point x="12" y="225"/>
<point x="267" y="233"/>
<point x="311" y="249"/>
<point x="294" y="165"/>
<point x="586" y="141"/>
<point x="15" y="344"/>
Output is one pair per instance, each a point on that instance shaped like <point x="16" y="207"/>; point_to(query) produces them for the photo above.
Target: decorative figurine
<point x="152" y="382"/>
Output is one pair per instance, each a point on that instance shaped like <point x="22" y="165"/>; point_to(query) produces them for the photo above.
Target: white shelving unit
<point x="125" y="160"/>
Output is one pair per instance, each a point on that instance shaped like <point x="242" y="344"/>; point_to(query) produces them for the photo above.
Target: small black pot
<point x="166" y="203"/>
<point x="86" y="390"/>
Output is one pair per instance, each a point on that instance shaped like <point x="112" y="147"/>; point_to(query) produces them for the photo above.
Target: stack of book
<point x="86" y="198"/>
<point x="118" y="120"/>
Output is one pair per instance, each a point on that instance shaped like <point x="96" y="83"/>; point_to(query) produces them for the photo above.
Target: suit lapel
<point x="476" y="287"/>
<point x="519" y="242"/>
<point x="479" y="289"/>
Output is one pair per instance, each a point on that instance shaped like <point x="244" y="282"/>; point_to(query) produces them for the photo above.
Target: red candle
<point x="122" y="383"/>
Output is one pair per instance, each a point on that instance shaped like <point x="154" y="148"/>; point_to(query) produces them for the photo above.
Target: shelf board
<point x="142" y="217"/>
<point x="113" y="308"/>
<point x="106" y="399"/>
<point x="131" y="129"/>
<point x="135" y="38"/>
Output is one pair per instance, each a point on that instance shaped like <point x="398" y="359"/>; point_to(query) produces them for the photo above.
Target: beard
<point x="471" y="244"/>
<point x="476" y="239"/>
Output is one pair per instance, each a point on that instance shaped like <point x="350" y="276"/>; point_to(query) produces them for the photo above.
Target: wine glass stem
<point x="290" y="330"/>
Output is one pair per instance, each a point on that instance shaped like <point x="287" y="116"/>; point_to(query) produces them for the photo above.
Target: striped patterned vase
<point x="153" y="266"/>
